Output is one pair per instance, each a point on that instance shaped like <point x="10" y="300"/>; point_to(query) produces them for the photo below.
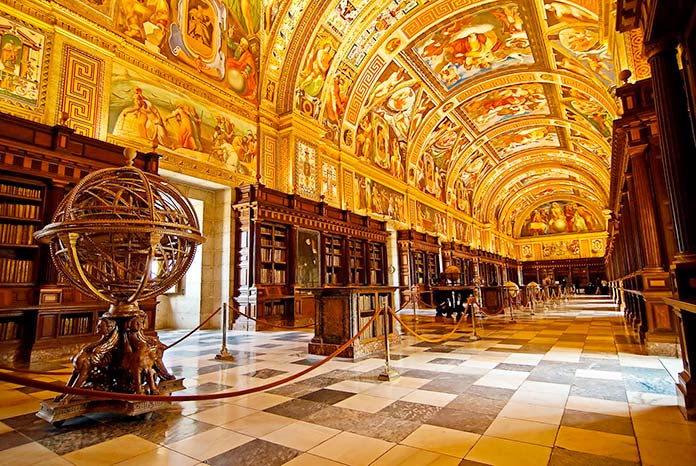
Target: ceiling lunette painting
<point x="476" y="83"/>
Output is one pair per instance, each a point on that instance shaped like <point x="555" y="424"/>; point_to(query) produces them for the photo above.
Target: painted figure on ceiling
<point x="313" y="74"/>
<point x="241" y="69"/>
<point x="143" y="20"/>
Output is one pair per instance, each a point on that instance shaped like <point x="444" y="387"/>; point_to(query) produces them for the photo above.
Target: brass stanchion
<point x="224" y="354"/>
<point x="472" y="305"/>
<point x="388" y="373"/>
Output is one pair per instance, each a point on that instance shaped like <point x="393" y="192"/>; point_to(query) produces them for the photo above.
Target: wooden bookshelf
<point x="356" y="262"/>
<point x="419" y="264"/>
<point x="41" y="315"/>
<point x="333" y="260"/>
<point x="315" y="245"/>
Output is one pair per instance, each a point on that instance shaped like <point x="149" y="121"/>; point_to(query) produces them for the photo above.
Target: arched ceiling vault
<point x="488" y="106"/>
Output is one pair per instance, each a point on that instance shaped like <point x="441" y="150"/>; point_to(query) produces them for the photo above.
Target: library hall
<point x="347" y="232"/>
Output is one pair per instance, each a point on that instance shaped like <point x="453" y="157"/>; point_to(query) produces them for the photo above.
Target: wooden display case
<point x="343" y="311"/>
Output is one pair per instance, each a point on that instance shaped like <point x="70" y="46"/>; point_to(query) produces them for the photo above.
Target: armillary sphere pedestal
<point x="123" y="360"/>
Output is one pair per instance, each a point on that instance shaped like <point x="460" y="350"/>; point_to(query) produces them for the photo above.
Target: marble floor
<point x="568" y="386"/>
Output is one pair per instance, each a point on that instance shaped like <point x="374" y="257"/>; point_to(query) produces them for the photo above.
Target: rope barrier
<point x="28" y="371"/>
<point x="196" y="328"/>
<point x="179" y="398"/>
<point x="429" y="340"/>
<point x="262" y="321"/>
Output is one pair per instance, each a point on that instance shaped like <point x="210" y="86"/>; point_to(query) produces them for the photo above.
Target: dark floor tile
<point x="421" y="374"/>
<point x="587" y="362"/>
<point x="409" y="411"/>
<point x="602" y="389"/>
<point x="320" y="381"/>
<point x="163" y="427"/>
<point x="327" y="396"/>
<point x="639" y="379"/>
<point x="205" y="389"/>
<point x="553" y="372"/>
<point x="296" y="409"/>
<point x="265" y="373"/>
<point x="440" y="349"/>
<point x="36" y="428"/>
<point x="515" y="341"/>
<point x="447" y="361"/>
<point x="257" y="452"/>
<point x="600" y="422"/>
<point x="74" y="436"/>
<point x="293" y="390"/>
<point x="268" y="345"/>
<point x="469" y="421"/>
<point x="477" y="404"/>
<point x="450" y="383"/>
<point x="12" y="439"/>
<point x="377" y="425"/>
<point x="491" y="393"/>
<point x="515" y="367"/>
<point x="563" y="457"/>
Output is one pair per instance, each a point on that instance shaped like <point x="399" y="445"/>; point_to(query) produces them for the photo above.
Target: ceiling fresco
<point x="492" y="108"/>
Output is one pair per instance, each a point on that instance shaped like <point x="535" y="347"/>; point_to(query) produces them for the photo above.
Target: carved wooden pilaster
<point x="645" y="209"/>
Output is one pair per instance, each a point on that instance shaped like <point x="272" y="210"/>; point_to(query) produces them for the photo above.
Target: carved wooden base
<point x="57" y="412"/>
<point x="686" y="396"/>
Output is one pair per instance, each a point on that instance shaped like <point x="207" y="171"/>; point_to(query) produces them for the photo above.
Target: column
<point x="676" y="141"/>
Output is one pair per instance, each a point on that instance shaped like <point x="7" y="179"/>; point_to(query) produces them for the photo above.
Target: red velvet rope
<point x="212" y="396"/>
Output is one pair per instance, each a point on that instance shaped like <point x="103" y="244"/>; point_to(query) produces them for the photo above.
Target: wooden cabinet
<point x="419" y="264"/>
<point x="289" y="246"/>
<point x="41" y="315"/>
<point x="459" y="255"/>
<point x="343" y="311"/>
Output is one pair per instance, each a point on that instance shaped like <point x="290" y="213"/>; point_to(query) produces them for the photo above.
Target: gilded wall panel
<point x="269" y="159"/>
<point x="329" y="182"/>
<point x="24" y="56"/>
<point x="306" y="176"/>
<point x="348" y="197"/>
<point x="80" y="94"/>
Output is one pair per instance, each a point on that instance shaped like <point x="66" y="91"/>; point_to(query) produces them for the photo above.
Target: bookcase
<point x="42" y="316"/>
<point x="419" y="264"/>
<point x="289" y="247"/>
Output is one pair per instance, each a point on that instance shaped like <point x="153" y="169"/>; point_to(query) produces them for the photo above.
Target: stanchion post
<point x="224" y="354"/>
<point x="472" y="305"/>
<point x="388" y="373"/>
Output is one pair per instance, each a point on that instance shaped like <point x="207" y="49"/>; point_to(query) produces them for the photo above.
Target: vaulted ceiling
<point x="492" y="107"/>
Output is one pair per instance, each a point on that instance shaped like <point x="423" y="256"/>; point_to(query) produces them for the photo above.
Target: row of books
<point x="29" y="211"/>
<point x="272" y="276"/>
<point x="75" y="325"/>
<point x="277" y="255"/>
<point x="13" y="190"/>
<point x="333" y="261"/>
<point x="274" y="308"/>
<point x="373" y="331"/>
<point x="266" y="242"/>
<point x="10" y="330"/>
<point x="16" y="234"/>
<point x="15" y="270"/>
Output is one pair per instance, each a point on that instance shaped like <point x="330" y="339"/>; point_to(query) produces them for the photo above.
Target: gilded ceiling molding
<point x="295" y="52"/>
<point x="466" y="152"/>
